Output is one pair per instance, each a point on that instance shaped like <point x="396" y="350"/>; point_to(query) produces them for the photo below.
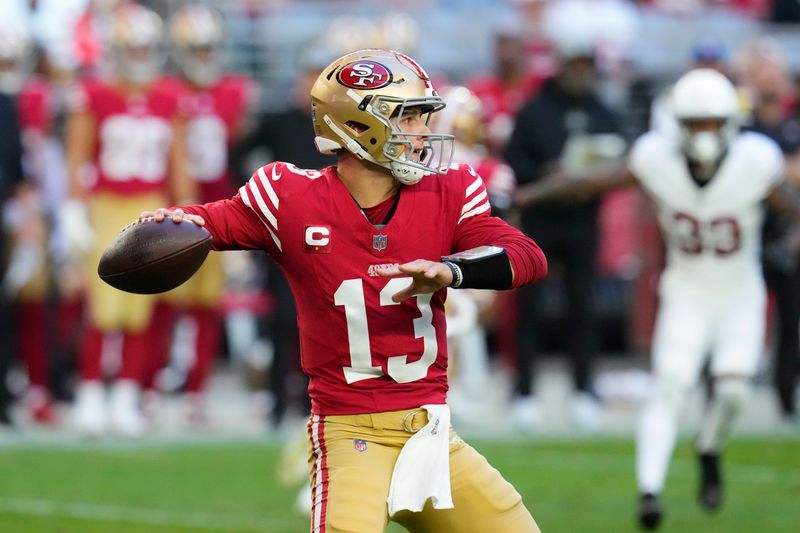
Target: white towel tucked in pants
<point x="422" y="469"/>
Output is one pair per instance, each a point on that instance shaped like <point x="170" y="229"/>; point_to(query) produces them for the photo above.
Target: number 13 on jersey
<point x="350" y="295"/>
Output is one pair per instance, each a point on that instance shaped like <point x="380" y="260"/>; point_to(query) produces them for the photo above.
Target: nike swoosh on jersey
<point x="275" y="175"/>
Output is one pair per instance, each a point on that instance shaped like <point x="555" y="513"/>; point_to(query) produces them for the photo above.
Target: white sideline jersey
<point x="712" y="233"/>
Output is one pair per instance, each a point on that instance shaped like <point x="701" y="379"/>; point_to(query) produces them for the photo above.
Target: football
<point x="149" y="257"/>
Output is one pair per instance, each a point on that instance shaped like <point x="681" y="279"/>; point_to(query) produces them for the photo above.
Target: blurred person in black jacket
<point x="286" y="135"/>
<point x="566" y="131"/>
<point x="767" y="83"/>
<point x="11" y="178"/>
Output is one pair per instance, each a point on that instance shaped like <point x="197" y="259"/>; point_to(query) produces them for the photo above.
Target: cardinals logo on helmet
<point x="365" y="75"/>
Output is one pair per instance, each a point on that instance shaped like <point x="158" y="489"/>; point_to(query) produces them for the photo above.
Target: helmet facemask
<point x="706" y="146"/>
<point x="200" y="64"/>
<point x="407" y="163"/>
<point x="139" y="65"/>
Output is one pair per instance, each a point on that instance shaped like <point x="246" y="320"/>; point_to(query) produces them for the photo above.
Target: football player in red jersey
<point x="369" y="247"/>
<point x="216" y="106"/>
<point x="124" y="151"/>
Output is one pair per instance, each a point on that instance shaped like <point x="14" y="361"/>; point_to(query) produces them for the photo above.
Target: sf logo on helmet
<point x="364" y="75"/>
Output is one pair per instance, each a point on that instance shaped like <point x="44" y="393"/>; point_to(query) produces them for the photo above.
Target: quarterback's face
<point x="413" y="121"/>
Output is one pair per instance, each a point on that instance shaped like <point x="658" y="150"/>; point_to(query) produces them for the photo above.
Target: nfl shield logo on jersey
<point x="379" y="242"/>
<point x="360" y="445"/>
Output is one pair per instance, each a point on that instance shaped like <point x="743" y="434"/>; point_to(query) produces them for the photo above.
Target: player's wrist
<point x="458" y="276"/>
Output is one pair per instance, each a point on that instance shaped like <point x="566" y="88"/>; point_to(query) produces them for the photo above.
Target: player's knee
<point x="732" y="393"/>
<point x="669" y="390"/>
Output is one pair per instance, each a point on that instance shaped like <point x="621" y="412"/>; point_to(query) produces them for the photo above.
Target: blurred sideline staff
<point x="765" y="81"/>
<point x="10" y="179"/>
<point x="565" y="132"/>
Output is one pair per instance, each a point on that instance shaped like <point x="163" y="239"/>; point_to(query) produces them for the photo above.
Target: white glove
<point x="26" y="260"/>
<point x="76" y="232"/>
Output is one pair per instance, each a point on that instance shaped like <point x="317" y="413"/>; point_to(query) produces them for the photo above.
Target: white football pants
<point x="694" y="322"/>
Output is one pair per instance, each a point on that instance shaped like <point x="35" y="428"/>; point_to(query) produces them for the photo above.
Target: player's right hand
<point x="162" y="213"/>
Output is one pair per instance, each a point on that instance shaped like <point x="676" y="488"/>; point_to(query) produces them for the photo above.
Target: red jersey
<point x="497" y="176"/>
<point x="214" y="116"/>
<point x="134" y="134"/>
<point x="362" y="351"/>
<point x="35" y="106"/>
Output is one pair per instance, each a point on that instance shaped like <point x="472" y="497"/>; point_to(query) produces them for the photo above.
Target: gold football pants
<point x="351" y="461"/>
<point x="109" y="308"/>
<point x="204" y="289"/>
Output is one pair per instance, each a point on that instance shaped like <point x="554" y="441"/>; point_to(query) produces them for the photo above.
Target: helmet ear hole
<point x="373" y="141"/>
<point x="357" y="127"/>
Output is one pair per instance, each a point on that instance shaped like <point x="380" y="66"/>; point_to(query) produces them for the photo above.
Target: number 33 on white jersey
<point x="712" y="233"/>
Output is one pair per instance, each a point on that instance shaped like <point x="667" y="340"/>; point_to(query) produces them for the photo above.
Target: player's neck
<point x="368" y="184"/>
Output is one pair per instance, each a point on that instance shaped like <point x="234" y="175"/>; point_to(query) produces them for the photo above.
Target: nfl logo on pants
<point x="379" y="242"/>
<point x="360" y="445"/>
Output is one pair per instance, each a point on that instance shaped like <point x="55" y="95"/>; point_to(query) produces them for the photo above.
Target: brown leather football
<point x="148" y="257"/>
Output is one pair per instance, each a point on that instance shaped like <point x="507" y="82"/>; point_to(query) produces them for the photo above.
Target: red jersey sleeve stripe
<point x="265" y="211"/>
<point x="475" y="185"/>
<point x="475" y="201"/>
<point x="477" y="211"/>
<point x="268" y="187"/>
<point x="246" y="199"/>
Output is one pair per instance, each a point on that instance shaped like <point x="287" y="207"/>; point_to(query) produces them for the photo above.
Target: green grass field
<point x="570" y="485"/>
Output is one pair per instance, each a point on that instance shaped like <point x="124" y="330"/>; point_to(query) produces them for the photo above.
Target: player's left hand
<point x="426" y="276"/>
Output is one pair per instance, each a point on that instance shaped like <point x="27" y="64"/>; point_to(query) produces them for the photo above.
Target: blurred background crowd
<point x="168" y="101"/>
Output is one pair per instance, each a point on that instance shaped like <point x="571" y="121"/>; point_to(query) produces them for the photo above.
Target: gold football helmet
<point x="197" y="33"/>
<point x="462" y="117"/>
<point x="355" y="101"/>
<point x="136" y="52"/>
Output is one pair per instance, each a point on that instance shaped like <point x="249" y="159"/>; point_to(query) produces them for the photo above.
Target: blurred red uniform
<point x="34" y="107"/>
<point x="124" y="152"/>
<point x="133" y="137"/>
<point x="214" y="118"/>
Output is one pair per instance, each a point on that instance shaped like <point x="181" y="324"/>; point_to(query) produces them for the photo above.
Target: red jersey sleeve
<point x="249" y="220"/>
<point x="476" y="227"/>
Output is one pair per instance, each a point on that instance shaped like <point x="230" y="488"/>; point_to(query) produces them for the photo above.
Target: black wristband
<point x="491" y="272"/>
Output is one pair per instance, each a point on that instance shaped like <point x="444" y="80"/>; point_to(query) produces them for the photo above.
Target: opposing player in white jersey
<point x="709" y="185"/>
